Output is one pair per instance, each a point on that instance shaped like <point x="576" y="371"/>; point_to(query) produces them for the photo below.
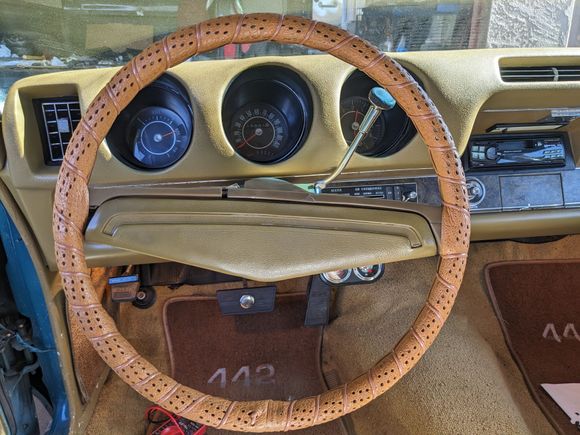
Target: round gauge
<point x="158" y="137"/>
<point x="260" y="133"/>
<point x="369" y="273"/>
<point x="352" y="112"/>
<point x="336" y="276"/>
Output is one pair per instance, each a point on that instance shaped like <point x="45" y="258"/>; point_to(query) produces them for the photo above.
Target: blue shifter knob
<point x="380" y="98"/>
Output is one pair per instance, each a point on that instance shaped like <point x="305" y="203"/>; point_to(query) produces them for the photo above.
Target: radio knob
<point x="410" y="196"/>
<point x="491" y="153"/>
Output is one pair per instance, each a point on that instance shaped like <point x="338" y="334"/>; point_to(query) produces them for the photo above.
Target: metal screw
<point x="247" y="301"/>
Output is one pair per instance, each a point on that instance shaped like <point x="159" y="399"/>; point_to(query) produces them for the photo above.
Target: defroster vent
<point x="540" y="73"/>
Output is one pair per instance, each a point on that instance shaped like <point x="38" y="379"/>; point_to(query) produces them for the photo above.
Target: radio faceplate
<point x="496" y="152"/>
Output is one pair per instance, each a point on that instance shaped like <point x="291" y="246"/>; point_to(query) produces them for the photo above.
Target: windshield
<point x="38" y="36"/>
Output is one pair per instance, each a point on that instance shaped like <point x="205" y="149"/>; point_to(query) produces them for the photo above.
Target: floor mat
<point x="261" y="356"/>
<point x="537" y="303"/>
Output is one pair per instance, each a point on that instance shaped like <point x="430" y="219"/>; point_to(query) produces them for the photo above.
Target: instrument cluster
<point x="155" y="129"/>
<point x="391" y="131"/>
<point x="267" y="114"/>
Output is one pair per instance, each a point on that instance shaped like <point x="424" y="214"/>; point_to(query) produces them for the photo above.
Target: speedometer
<point x="260" y="133"/>
<point x="267" y="114"/>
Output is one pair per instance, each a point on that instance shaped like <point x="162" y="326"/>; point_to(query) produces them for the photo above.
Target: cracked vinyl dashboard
<point x="208" y="128"/>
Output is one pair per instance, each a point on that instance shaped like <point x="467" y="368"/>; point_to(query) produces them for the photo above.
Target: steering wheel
<point x="71" y="211"/>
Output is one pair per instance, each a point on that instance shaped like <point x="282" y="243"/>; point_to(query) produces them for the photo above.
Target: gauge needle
<point x="356" y="113"/>
<point x="247" y="141"/>
<point x="168" y="134"/>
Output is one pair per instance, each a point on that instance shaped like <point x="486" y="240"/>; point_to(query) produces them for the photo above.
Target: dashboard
<point x="209" y="124"/>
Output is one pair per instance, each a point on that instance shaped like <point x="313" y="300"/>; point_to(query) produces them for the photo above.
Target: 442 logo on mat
<point x="264" y="374"/>
<point x="568" y="333"/>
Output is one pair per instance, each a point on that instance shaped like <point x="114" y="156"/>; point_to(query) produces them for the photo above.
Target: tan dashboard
<point x="466" y="86"/>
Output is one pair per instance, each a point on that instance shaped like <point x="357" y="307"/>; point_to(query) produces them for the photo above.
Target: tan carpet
<point x="466" y="384"/>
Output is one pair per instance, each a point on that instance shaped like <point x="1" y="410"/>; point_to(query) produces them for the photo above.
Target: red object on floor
<point x="163" y="422"/>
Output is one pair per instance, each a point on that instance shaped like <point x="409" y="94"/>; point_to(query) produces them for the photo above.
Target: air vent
<point x="540" y="74"/>
<point x="57" y="118"/>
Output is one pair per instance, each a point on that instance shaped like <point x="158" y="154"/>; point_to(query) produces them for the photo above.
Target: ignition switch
<point x="475" y="191"/>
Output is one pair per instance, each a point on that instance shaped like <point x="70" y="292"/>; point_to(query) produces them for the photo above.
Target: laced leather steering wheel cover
<point x="71" y="208"/>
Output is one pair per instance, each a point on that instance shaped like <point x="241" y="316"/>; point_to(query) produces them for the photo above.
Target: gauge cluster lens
<point x="267" y="114"/>
<point x="352" y="112"/>
<point x="369" y="273"/>
<point x="260" y="133"/>
<point x="391" y="131"/>
<point x="159" y="137"/>
<point x="154" y="131"/>
<point x="358" y="275"/>
<point x="337" y="276"/>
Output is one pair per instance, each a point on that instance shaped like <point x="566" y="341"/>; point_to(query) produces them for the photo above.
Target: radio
<point x="495" y="152"/>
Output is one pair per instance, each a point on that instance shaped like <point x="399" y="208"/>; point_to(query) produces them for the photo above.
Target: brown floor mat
<point x="536" y="301"/>
<point x="262" y="356"/>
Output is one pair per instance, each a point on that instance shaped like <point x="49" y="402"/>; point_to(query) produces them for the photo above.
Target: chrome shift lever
<point x="380" y="100"/>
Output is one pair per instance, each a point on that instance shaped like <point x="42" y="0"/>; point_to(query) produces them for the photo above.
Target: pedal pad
<point x="246" y="300"/>
<point x="124" y="288"/>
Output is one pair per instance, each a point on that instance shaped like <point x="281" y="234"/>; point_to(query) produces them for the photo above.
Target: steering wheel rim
<point x="71" y="211"/>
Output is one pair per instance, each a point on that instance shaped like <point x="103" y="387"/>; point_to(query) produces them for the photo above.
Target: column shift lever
<point x="380" y="100"/>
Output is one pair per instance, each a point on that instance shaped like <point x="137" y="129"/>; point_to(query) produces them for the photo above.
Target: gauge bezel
<point x="280" y="87"/>
<point x="165" y="92"/>
<point x="375" y="277"/>
<point x="358" y="84"/>
<point x="332" y="281"/>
